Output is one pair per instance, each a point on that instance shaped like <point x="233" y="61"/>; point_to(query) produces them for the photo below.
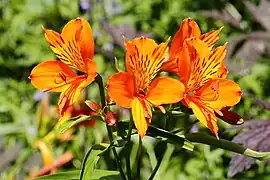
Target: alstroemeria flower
<point x="74" y="48"/>
<point x="188" y="29"/>
<point x="206" y="89"/>
<point x="134" y="88"/>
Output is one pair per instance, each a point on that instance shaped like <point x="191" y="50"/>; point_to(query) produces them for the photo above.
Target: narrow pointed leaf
<point x="227" y="145"/>
<point x="74" y="121"/>
<point x="90" y="160"/>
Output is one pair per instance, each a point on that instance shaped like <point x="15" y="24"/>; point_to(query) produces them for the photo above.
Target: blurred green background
<point x="27" y="115"/>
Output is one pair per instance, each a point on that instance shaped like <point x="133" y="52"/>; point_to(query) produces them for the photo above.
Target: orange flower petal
<point x="197" y="49"/>
<point x="165" y="90"/>
<point x="206" y="66"/>
<point x="69" y="96"/>
<point x="229" y="94"/>
<point x="121" y="88"/>
<point x="189" y="28"/>
<point x="52" y="75"/>
<point x="183" y="64"/>
<point x="138" y="115"/>
<point x="205" y="115"/>
<point x="91" y="73"/>
<point x="144" y="59"/>
<point x="223" y="71"/>
<point x="211" y="37"/>
<point x="84" y="37"/>
<point x="68" y="51"/>
<point x="209" y="91"/>
<point x="72" y="93"/>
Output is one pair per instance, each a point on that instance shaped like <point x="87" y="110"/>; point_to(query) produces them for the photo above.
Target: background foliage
<point x="28" y="115"/>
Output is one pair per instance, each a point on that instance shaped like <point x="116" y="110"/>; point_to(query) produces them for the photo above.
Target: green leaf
<point x="172" y="138"/>
<point x="74" y="121"/>
<point x="106" y="175"/>
<point x="90" y="160"/>
<point x="69" y="175"/>
<point x="117" y="65"/>
<point x="225" y="144"/>
<point x="75" y="175"/>
<point x="10" y="128"/>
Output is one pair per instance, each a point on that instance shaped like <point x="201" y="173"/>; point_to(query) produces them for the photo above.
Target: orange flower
<point x="206" y="89"/>
<point x="134" y="88"/>
<point x="189" y="28"/>
<point x="74" y="47"/>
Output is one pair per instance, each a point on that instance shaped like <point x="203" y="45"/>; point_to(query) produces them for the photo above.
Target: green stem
<point x="139" y="156"/>
<point x="156" y="168"/>
<point x="129" y="148"/>
<point x="99" y="81"/>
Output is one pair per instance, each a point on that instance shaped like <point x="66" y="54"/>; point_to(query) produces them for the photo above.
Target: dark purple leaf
<point x="126" y="30"/>
<point x="223" y="15"/>
<point x="261" y="13"/>
<point x="245" y="49"/>
<point x="264" y="104"/>
<point x="255" y="135"/>
<point x="239" y="163"/>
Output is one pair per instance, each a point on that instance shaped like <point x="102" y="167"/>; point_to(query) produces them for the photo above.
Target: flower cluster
<point x="202" y="84"/>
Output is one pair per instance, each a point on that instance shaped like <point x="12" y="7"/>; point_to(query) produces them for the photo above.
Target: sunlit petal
<point x="211" y="37"/>
<point x="189" y="28"/>
<point x="206" y="66"/>
<point x="205" y="115"/>
<point x="81" y="28"/>
<point x="138" y="114"/>
<point x="165" y="90"/>
<point x="144" y="59"/>
<point x="52" y="75"/>
<point x="229" y="94"/>
<point x="68" y="51"/>
<point x="69" y="96"/>
<point x="223" y="71"/>
<point x="121" y="88"/>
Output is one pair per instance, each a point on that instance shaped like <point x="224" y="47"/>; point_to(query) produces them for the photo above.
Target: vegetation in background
<point x="28" y="116"/>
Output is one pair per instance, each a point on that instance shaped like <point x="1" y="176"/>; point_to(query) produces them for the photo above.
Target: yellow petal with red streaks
<point x="211" y="37"/>
<point x="68" y="51"/>
<point x="52" y="75"/>
<point x="69" y="96"/>
<point x="229" y="94"/>
<point x="205" y="115"/>
<point x="138" y="115"/>
<point x="91" y="73"/>
<point x="81" y="30"/>
<point x="121" y="88"/>
<point x="223" y="71"/>
<point x="165" y="90"/>
<point x="209" y="91"/>
<point x="206" y="66"/>
<point x="72" y="93"/>
<point x="197" y="48"/>
<point x="144" y="59"/>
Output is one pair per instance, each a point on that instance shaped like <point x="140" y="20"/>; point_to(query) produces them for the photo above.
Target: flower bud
<point x="93" y="106"/>
<point x="230" y="117"/>
<point x="111" y="118"/>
